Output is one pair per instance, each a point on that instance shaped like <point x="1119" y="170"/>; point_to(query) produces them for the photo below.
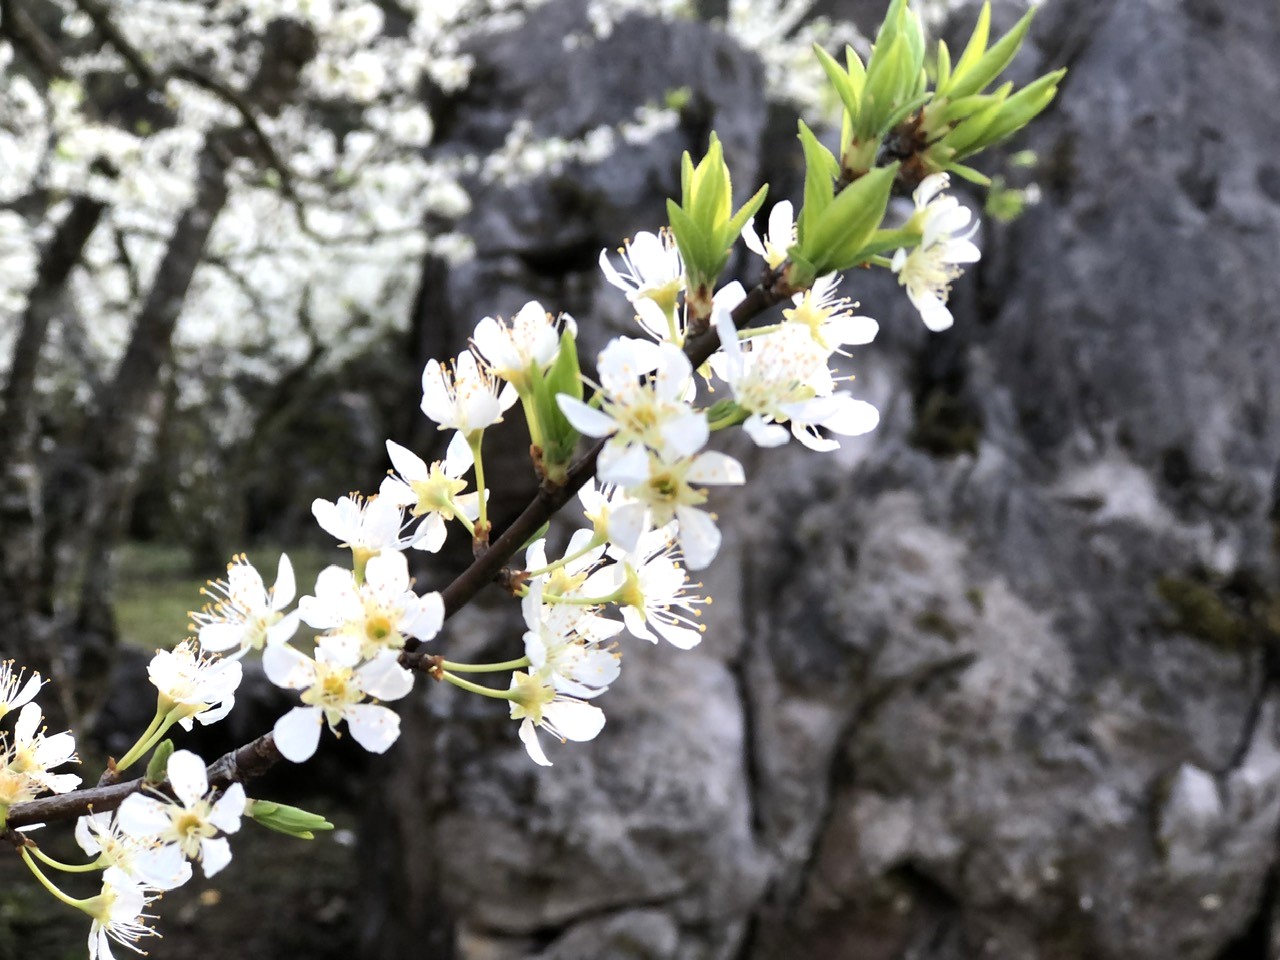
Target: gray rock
<point x="995" y="681"/>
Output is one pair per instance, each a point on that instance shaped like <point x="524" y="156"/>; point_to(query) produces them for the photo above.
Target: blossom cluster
<point x="625" y="572"/>
<point x="649" y="410"/>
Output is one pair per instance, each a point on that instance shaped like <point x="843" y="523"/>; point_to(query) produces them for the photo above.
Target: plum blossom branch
<point x="260" y="755"/>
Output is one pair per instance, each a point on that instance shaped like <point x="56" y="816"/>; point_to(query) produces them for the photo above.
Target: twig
<point x="255" y="758"/>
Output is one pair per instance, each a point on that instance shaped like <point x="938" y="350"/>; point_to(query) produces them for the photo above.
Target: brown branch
<point x="254" y="759"/>
<point x="250" y="761"/>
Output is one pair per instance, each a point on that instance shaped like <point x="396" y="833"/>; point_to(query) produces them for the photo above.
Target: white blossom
<point x="434" y="492"/>
<point x="829" y="317"/>
<point x="928" y="269"/>
<point x="667" y="493"/>
<point x="27" y="757"/>
<point x="537" y="704"/>
<point x="162" y="867"/>
<point x="193" y="823"/>
<point x="366" y="525"/>
<point x="657" y="598"/>
<point x="14" y="692"/>
<point x="636" y="415"/>
<point x="651" y="268"/>
<point x="373" y="616"/>
<point x="244" y="615"/>
<point x="783" y="377"/>
<point x="333" y="689"/>
<point x="780" y="238"/>
<point x="467" y="398"/>
<point x="118" y="914"/>
<point x="531" y="339"/>
<point x="201" y="686"/>
<point x="575" y="665"/>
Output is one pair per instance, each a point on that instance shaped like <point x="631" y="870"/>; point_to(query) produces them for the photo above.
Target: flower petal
<point x="297" y="733"/>
<point x="375" y="728"/>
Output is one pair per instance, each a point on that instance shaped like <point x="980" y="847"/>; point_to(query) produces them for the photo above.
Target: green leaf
<point x="970" y="174"/>
<point x="904" y="111"/>
<point x="850" y="220"/>
<point x="563" y="376"/>
<point x="883" y="241"/>
<point x="850" y="95"/>
<point x="887" y="74"/>
<point x="690" y="238"/>
<point x="959" y="109"/>
<point x="283" y="818"/>
<point x="747" y="212"/>
<point x="993" y="62"/>
<point x="559" y="437"/>
<point x="965" y="135"/>
<point x="891" y="25"/>
<point x="801" y="271"/>
<point x="973" y="50"/>
<point x="944" y="65"/>
<point x="158" y="765"/>
<point x="821" y="170"/>
<point x="1021" y="109"/>
<point x="854" y="66"/>
<point x="711" y="199"/>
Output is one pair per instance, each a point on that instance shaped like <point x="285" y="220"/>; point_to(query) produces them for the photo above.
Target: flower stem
<point x="671" y="326"/>
<point x="475" y="687"/>
<point x="728" y="420"/>
<point x="484" y="667"/>
<point x="759" y="331"/>
<point x="531" y="416"/>
<point x="64" y="867"/>
<point x="594" y="542"/>
<point x="474" y="440"/>
<point x="461" y="518"/>
<point x="154" y="730"/>
<point x="582" y="601"/>
<point x="49" y="885"/>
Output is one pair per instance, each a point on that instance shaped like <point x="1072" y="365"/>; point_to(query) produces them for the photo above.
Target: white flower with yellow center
<point x="637" y="414"/>
<point x="651" y="269"/>
<point x="366" y="525"/>
<point x="536" y="703"/>
<point x="333" y="689"/>
<point x="162" y="867"/>
<point x="783" y="377"/>
<point x="928" y="269"/>
<point x="365" y="619"/>
<point x="434" y="492"/>
<point x="667" y="494"/>
<point x="574" y="661"/>
<point x="531" y="339"/>
<point x="600" y="507"/>
<point x="14" y="692"/>
<point x="118" y="914"/>
<point x="568" y="581"/>
<point x="28" y="755"/>
<point x="829" y="317"/>
<point x="780" y="237"/>
<point x="243" y="614"/>
<point x="657" y="599"/>
<point x="193" y="822"/>
<point x="467" y="398"/>
<point x="200" y="686"/>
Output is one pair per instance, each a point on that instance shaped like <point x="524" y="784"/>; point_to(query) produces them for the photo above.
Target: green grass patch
<point x="157" y="586"/>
